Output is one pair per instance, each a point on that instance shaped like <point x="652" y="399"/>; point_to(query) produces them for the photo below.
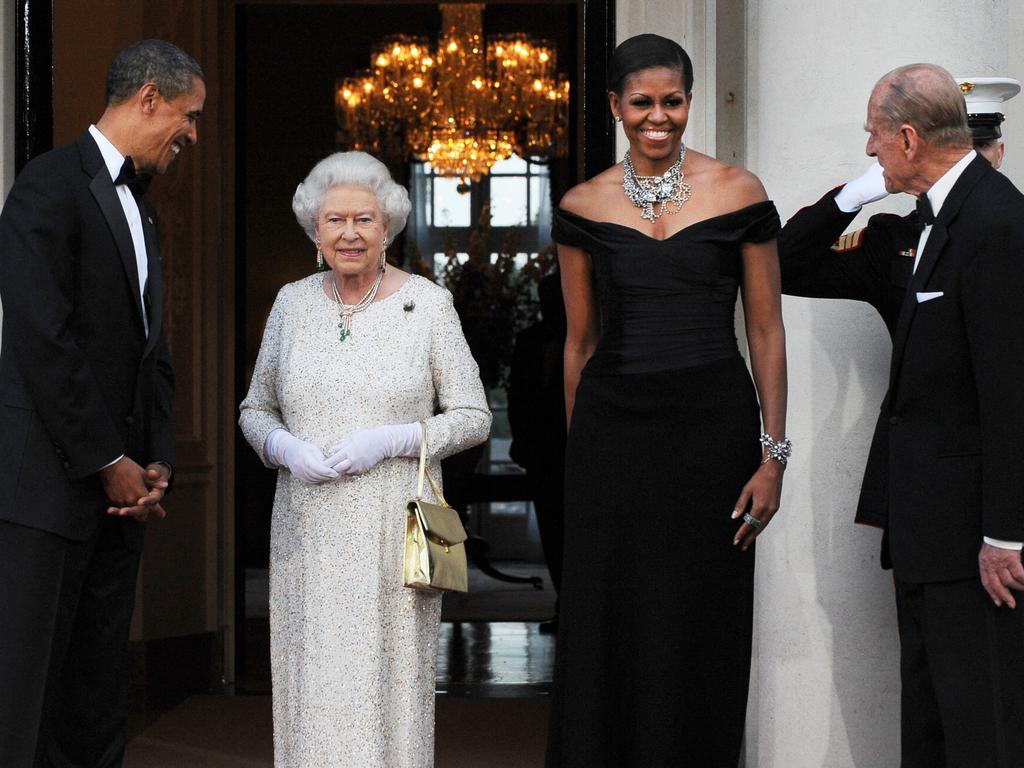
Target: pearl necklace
<point x="668" y="191"/>
<point x="346" y="311"/>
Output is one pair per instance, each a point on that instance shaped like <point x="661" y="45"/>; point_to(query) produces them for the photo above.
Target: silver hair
<point x="356" y="169"/>
<point x="926" y="97"/>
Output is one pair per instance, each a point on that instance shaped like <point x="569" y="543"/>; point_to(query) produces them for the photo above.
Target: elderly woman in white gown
<point x="358" y="364"/>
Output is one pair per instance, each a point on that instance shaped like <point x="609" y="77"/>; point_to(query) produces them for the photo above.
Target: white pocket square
<point x="923" y="296"/>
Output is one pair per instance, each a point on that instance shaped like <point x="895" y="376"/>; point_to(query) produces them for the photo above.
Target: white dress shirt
<point x="937" y="196"/>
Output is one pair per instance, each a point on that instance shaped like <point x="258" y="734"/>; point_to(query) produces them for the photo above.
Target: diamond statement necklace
<point x="669" y="191"/>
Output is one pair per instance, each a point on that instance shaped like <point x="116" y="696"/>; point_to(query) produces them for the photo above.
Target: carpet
<point x="235" y="732"/>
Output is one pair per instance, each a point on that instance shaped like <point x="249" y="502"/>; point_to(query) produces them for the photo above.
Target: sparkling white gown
<point x="352" y="650"/>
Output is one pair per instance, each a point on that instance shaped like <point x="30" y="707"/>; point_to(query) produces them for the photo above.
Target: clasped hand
<point x="359" y="452"/>
<point x="134" y="492"/>
<point x="363" y="450"/>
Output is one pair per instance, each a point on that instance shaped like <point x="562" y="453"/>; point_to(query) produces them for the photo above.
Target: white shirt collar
<point x="940" y="189"/>
<point x="111" y="157"/>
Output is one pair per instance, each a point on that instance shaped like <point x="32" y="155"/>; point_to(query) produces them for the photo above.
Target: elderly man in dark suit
<point x="86" y="438"/>
<point x="944" y="477"/>
<point x="873" y="264"/>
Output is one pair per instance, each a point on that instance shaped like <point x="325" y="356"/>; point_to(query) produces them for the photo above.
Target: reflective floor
<point x="494" y="659"/>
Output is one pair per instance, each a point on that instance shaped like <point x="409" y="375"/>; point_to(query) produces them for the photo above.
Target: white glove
<point x="365" y="449"/>
<point x="302" y="459"/>
<point x="866" y="188"/>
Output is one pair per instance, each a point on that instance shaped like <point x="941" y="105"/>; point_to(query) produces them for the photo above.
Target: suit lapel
<point x="102" y="188"/>
<point x="155" y="284"/>
<point x="938" y="238"/>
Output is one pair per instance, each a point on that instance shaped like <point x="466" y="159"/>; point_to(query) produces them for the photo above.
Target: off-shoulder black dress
<point x="656" y="603"/>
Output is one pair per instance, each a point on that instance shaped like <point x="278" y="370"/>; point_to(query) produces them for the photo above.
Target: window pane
<point x="508" y="202"/>
<point x="540" y="201"/>
<point x="428" y="199"/>
<point x="514" y="164"/>
<point x="450" y="208"/>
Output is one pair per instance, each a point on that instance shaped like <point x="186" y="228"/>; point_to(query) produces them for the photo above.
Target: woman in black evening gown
<point x="663" y="456"/>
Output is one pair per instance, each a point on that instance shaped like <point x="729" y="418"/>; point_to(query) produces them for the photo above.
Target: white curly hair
<point x="356" y="169"/>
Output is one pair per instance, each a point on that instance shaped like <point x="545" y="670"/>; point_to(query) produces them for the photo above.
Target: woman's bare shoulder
<point x="742" y="186"/>
<point x="591" y="197"/>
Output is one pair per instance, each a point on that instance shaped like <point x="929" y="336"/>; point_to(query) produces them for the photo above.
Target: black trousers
<point x="962" y="669"/>
<point x="66" y="609"/>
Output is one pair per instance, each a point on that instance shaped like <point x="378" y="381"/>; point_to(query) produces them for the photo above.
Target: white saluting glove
<point x="302" y="459"/>
<point x="866" y="188"/>
<point x="365" y="449"/>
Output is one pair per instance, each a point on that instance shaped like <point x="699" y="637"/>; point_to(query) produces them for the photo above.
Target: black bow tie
<point x="925" y="216"/>
<point x="136" y="182"/>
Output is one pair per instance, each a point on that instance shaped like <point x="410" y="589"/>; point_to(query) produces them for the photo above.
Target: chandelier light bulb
<point x="463" y="106"/>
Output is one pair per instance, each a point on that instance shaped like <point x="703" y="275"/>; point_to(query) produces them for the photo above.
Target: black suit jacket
<point x="80" y="382"/>
<point x="945" y="463"/>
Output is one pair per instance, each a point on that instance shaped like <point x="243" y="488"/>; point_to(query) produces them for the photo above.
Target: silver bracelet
<point x="780" y="450"/>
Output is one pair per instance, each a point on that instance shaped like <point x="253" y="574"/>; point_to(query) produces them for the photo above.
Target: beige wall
<point x="1013" y="128"/>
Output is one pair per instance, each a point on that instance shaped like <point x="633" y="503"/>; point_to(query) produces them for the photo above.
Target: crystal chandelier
<point x="463" y="107"/>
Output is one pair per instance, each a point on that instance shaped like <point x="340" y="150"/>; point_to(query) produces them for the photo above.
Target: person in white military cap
<point x="985" y="97"/>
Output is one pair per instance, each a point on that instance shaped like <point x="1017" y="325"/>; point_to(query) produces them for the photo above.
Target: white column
<point x="6" y="104"/>
<point x="7" y="54"/>
<point x="825" y="686"/>
<point x="691" y="23"/>
<point x="1013" y="128"/>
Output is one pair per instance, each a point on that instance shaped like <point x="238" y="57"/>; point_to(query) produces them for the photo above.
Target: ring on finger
<point x="749" y="519"/>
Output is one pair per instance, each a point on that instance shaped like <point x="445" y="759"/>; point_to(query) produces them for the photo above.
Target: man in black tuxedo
<point x="873" y="264"/>
<point x="86" y="437"/>
<point x="944" y="477"/>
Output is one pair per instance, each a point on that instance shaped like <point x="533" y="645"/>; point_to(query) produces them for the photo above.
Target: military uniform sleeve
<point x="818" y="261"/>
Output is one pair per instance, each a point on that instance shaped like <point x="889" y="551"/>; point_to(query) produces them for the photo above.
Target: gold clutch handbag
<point x="435" y="549"/>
